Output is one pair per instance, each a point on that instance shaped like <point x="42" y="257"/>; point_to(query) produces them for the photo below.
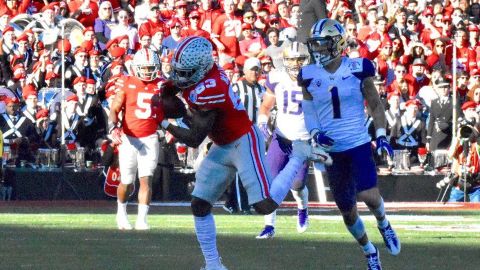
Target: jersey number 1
<point x="335" y="102"/>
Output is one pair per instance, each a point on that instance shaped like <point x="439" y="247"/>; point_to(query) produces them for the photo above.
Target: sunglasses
<point x="401" y="71"/>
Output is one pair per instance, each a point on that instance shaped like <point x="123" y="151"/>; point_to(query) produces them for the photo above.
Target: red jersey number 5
<point x="144" y="110"/>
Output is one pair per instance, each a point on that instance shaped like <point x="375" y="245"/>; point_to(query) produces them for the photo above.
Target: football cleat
<point x="373" y="260"/>
<point x="392" y="243"/>
<point x="302" y="223"/>
<point x="123" y="223"/>
<point x="267" y="233"/>
<point x="304" y="150"/>
<point x="141" y="226"/>
<point x="218" y="267"/>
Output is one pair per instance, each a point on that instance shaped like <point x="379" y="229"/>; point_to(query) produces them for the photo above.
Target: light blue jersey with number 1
<point x="338" y="100"/>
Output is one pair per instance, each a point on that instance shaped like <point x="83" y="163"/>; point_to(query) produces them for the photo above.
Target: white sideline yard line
<point x="409" y="205"/>
<point x="403" y="218"/>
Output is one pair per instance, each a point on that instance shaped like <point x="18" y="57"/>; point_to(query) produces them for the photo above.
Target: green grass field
<point x="84" y="236"/>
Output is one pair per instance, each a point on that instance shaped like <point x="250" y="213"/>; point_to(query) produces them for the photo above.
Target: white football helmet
<point x="146" y="65"/>
<point x="295" y="55"/>
<point x="327" y="41"/>
<point x="191" y="61"/>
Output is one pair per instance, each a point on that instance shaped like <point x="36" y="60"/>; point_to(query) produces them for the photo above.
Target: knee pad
<point x="265" y="207"/>
<point x="200" y="208"/>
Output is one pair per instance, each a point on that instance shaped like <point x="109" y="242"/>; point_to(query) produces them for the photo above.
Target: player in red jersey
<point x="238" y="145"/>
<point x="136" y="133"/>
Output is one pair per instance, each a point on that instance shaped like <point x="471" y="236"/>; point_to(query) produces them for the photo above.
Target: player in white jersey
<point x="334" y="90"/>
<point x="283" y="90"/>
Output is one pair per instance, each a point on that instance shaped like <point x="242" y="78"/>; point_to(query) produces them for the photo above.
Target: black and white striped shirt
<point x="251" y="96"/>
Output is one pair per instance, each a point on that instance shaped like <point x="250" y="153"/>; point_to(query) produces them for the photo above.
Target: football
<point x="173" y="107"/>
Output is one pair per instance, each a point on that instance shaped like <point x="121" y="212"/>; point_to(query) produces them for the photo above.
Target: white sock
<point x="282" y="183"/>
<point x="122" y="208"/>
<point x="142" y="212"/>
<point x="380" y="215"/>
<point x="369" y="248"/>
<point x="207" y="238"/>
<point x="270" y="219"/>
<point x="301" y="197"/>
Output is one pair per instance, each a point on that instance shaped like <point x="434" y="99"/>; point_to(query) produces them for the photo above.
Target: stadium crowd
<point x="410" y="42"/>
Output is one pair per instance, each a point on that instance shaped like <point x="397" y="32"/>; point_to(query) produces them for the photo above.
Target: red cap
<point x="43" y="113"/>
<point x="115" y="64"/>
<point x="93" y="52"/>
<point x="110" y="43"/>
<point x="193" y="14"/>
<point x="79" y="80"/>
<point x="228" y="66"/>
<point x="475" y="72"/>
<point x="180" y="3"/>
<point x="428" y="11"/>
<point x="386" y="42"/>
<point x="173" y="22"/>
<point x="80" y="50"/>
<point x="50" y="6"/>
<point x="66" y="44"/>
<point x="413" y="102"/>
<point x="72" y="98"/>
<point x="9" y="28"/>
<point x="473" y="28"/>
<point x="90" y="28"/>
<point x="246" y="26"/>
<point x="87" y="45"/>
<point x="422" y="151"/>
<point x="9" y="100"/>
<point x="90" y="81"/>
<point x="265" y="59"/>
<point x="120" y="38"/>
<point x="51" y="75"/>
<point x="117" y="52"/>
<point x="468" y="105"/>
<point x="23" y="37"/>
<point x="28" y="90"/>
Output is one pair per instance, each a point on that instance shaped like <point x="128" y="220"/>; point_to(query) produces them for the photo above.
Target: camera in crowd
<point x="467" y="130"/>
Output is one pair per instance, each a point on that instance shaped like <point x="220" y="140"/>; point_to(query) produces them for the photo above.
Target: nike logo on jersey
<point x="346" y="77"/>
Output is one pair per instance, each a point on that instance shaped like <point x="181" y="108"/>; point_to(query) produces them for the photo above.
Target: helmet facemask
<point x="146" y="72"/>
<point x="324" y="50"/>
<point x="184" y="78"/>
<point x="294" y="64"/>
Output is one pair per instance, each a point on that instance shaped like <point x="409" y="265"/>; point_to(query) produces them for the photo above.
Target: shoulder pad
<point x="361" y="67"/>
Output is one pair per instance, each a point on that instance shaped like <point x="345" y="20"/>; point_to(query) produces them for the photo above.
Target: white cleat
<point x="141" y="226"/>
<point x="302" y="222"/>
<point x="123" y="223"/>
<point x="304" y="150"/>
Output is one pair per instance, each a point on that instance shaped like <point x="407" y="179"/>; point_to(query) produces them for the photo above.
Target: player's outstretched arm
<point x="375" y="107"/>
<point x="268" y="103"/>
<point x="201" y="124"/>
<point x="116" y="107"/>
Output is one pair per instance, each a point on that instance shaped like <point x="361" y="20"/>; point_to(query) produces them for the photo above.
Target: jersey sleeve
<point x="362" y="68"/>
<point x="302" y="80"/>
<point x="271" y="83"/>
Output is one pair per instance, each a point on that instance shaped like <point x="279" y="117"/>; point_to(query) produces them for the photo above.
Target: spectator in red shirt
<point x="466" y="57"/>
<point x="84" y="11"/>
<point x="207" y="15"/>
<point x="417" y="78"/>
<point x="437" y="58"/>
<point x="226" y="30"/>
<point x="284" y="13"/>
<point x="194" y="26"/>
<point x="251" y="46"/>
<point x="15" y="7"/>
<point x="153" y="23"/>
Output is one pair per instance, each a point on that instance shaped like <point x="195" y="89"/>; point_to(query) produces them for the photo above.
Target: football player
<point x="283" y="90"/>
<point x="334" y="88"/>
<point x="238" y="145"/>
<point x="136" y="134"/>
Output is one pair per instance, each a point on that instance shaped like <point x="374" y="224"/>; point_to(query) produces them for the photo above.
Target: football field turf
<point x="83" y="235"/>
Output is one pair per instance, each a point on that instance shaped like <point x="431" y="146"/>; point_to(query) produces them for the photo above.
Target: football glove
<point x="383" y="145"/>
<point x="285" y="145"/>
<point x="262" y="123"/>
<point x="322" y="140"/>
<point x="116" y="135"/>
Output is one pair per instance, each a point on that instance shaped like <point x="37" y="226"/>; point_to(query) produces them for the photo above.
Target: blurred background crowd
<point x="426" y="52"/>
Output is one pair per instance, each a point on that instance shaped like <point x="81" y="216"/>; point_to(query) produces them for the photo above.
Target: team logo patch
<point x="317" y="83"/>
<point x="355" y="66"/>
<point x="193" y="96"/>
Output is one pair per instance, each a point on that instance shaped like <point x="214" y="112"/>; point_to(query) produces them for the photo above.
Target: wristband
<point x="381" y="132"/>
<point x="165" y="124"/>
<point x="262" y="118"/>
